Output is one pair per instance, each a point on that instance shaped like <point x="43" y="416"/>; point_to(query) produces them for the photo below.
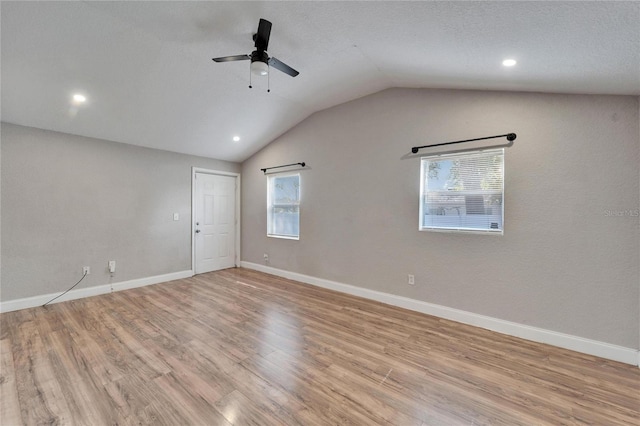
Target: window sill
<point x="284" y="237"/>
<point x="464" y="231"/>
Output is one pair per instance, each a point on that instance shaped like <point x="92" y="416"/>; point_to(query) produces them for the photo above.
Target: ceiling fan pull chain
<point x="268" y="79"/>
<point x="250" y="87"/>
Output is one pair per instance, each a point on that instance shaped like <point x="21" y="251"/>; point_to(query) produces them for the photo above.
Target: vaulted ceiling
<point x="147" y="73"/>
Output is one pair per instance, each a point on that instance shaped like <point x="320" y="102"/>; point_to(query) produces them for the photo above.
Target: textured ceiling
<point x="146" y="67"/>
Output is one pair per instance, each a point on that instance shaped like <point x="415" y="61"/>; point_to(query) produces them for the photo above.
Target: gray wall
<point x="563" y="263"/>
<point x="70" y="201"/>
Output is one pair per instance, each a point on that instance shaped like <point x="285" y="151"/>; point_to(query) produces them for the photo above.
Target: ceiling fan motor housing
<point x="260" y="55"/>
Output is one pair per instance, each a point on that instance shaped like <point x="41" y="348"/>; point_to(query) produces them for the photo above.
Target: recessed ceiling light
<point x="509" y="62"/>
<point x="79" y="98"/>
<point x="236" y="138"/>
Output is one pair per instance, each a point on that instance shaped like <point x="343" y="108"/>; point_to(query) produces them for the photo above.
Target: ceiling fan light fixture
<point x="259" y="68"/>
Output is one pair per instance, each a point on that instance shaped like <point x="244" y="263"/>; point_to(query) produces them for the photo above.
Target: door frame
<point x="195" y="170"/>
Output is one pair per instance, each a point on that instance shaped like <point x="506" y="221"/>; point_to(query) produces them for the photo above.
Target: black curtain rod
<point x="286" y="165"/>
<point x="510" y="137"/>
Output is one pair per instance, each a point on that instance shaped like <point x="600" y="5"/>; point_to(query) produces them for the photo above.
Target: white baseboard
<point x="31" y="302"/>
<point x="566" y="341"/>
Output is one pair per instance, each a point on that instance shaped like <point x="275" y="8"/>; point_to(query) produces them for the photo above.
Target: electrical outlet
<point x="86" y="270"/>
<point x="266" y="258"/>
<point x="112" y="266"/>
<point x="411" y="280"/>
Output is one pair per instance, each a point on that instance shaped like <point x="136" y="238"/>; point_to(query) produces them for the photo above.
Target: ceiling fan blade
<point x="262" y="36"/>
<point x="279" y="65"/>
<point x="232" y="58"/>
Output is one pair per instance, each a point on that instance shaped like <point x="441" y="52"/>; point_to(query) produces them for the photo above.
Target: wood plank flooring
<point x="238" y="347"/>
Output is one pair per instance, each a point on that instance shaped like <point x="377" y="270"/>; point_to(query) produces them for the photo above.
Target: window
<point x="283" y="206"/>
<point x="463" y="192"/>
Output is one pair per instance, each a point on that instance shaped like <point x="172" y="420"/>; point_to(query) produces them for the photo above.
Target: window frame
<point x="270" y="225"/>
<point x="423" y="180"/>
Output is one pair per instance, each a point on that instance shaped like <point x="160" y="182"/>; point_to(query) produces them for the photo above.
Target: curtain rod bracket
<point x="510" y="137"/>
<point x="302" y="164"/>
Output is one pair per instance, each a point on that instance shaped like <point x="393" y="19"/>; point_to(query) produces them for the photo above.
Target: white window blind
<point x="283" y="206"/>
<point x="463" y="192"/>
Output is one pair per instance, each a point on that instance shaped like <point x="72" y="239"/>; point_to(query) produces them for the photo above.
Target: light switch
<point x="176" y="216"/>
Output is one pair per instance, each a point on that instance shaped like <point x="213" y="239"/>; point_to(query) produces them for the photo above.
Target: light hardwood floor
<point x="241" y="347"/>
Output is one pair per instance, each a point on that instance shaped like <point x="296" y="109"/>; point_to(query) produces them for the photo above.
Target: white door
<point x="215" y="222"/>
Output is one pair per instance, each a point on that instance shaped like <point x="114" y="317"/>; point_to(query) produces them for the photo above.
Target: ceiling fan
<point x="260" y="60"/>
